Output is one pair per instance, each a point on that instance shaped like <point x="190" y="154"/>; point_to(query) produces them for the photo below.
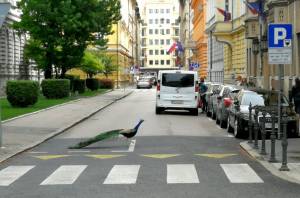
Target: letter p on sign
<point x="278" y="34"/>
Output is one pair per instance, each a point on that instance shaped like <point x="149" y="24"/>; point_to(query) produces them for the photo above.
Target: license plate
<point x="177" y="102"/>
<point x="269" y="125"/>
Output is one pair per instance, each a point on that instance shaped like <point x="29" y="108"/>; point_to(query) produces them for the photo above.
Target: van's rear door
<point x="178" y="88"/>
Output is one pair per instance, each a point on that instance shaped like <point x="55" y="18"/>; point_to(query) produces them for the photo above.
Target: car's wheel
<point x="208" y="113"/>
<point x="229" y="128"/>
<point x="158" y="110"/>
<point x="194" y="112"/>
<point x="223" y="123"/>
<point x="237" y="129"/>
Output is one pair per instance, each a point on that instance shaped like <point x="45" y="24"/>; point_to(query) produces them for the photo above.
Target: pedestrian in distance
<point x="295" y="95"/>
<point x="203" y="89"/>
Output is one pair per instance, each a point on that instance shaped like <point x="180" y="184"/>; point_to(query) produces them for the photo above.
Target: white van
<point x="177" y="90"/>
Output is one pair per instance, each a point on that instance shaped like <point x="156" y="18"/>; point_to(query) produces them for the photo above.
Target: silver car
<point x="144" y="83"/>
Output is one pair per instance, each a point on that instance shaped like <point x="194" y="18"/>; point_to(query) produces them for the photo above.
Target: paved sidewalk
<point x="293" y="158"/>
<point x="30" y="130"/>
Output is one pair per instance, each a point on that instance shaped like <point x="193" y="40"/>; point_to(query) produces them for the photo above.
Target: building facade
<point x="160" y="29"/>
<point x="12" y="64"/>
<point x="199" y="36"/>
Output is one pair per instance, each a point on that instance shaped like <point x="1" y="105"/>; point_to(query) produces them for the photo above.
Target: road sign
<point x="280" y="43"/>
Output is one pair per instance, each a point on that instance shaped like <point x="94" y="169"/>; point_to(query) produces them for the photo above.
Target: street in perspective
<point x="149" y="98"/>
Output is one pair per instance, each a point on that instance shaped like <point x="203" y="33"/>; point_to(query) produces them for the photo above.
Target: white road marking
<point x="12" y="173"/>
<point x="181" y="174"/>
<point x="130" y="149"/>
<point x="241" y="173"/>
<point x="79" y="151"/>
<point x="210" y="119"/>
<point x="123" y="174"/>
<point x="229" y="135"/>
<point x="64" y="175"/>
<point x="37" y="152"/>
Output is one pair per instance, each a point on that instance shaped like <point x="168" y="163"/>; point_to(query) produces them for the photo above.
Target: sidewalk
<point x="293" y="158"/>
<point x="31" y="130"/>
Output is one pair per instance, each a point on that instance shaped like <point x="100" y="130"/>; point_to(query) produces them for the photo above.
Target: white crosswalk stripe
<point x="128" y="174"/>
<point x="241" y="173"/>
<point x="123" y="174"/>
<point x="12" y="173"/>
<point x="64" y="175"/>
<point x="181" y="173"/>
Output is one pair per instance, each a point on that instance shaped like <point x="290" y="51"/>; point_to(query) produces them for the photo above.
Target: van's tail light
<point x="197" y="88"/>
<point x="158" y="87"/>
<point x="227" y="102"/>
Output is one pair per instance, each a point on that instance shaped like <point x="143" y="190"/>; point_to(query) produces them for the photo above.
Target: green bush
<point x="56" y="88"/>
<point x="106" y="83"/>
<point x="79" y="85"/>
<point x="92" y="84"/>
<point x="22" y="93"/>
<point x="71" y="78"/>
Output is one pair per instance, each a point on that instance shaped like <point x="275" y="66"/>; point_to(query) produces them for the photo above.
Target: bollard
<point x="250" y="124"/>
<point x="273" y="138"/>
<point x="284" y="142"/>
<point x="256" y="128"/>
<point x="263" y="133"/>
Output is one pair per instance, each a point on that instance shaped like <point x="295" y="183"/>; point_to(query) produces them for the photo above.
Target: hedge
<point x="92" y="83"/>
<point x="106" y="83"/>
<point x="56" y="88"/>
<point x="71" y="78"/>
<point x="79" y="85"/>
<point x="22" y="93"/>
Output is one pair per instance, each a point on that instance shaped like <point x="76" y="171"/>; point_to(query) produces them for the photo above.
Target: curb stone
<point x="63" y="129"/>
<point x="269" y="166"/>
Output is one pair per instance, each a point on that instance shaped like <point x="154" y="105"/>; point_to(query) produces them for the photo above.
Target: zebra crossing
<point x="129" y="174"/>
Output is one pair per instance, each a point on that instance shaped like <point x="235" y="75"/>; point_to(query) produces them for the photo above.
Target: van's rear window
<point x="178" y="80"/>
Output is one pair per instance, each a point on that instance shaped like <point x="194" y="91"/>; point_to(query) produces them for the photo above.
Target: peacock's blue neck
<point x="138" y="125"/>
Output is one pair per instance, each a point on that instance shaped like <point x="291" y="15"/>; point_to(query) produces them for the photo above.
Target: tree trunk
<point x="63" y="72"/>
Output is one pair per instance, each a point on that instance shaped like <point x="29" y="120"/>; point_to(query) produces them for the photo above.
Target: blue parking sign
<point x="280" y="35"/>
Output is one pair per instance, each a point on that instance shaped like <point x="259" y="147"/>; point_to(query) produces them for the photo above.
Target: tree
<point x="61" y="30"/>
<point x="91" y="64"/>
<point x="108" y="66"/>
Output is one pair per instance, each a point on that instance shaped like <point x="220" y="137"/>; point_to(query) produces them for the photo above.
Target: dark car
<point x="238" y="117"/>
<point x="213" y="89"/>
<point x="223" y="102"/>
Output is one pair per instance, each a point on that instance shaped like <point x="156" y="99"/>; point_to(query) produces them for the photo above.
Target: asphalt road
<point x="175" y="155"/>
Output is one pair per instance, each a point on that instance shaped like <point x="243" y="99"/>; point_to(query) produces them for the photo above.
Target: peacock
<point x="128" y="133"/>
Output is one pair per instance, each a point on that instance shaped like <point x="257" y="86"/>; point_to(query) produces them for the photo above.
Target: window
<point x="156" y="31"/>
<point x="150" y="11"/>
<point x="168" y="62"/>
<point x="168" y="11"/>
<point x="150" y="42"/>
<point x="178" y="80"/>
<point x="156" y="41"/>
<point x="162" y="21"/>
<point x="156" y="52"/>
<point x="162" y="41"/>
<point x="150" y="52"/>
<point x="162" y="62"/>
<point x="162" y="31"/>
<point x="150" y="31"/>
<point x="156" y="21"/>
<point x="168" y="21"/>
<point x="168" y="41"/>
<point x="162" y="11"/>
<point x="156" y="62"/>
<point x="167" y="31"/>
<point x="156" y="11"/>
<point x="162" y="52"/>
<point x="176" y="32"/>
<point x="151" y="62"/>
<point x="150" y="21"/>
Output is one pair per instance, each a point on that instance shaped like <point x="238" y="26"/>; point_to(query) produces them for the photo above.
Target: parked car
<point x="223" y="101"/>
<point x="177" y="90"/>
<point x="144" y="83"/>
<point x="238" y="117"/>
<point x="212" y="89"/>
<point x="211" y="96"/>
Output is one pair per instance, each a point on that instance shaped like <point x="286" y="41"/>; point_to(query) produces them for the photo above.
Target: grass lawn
<point x="7" y="111"/>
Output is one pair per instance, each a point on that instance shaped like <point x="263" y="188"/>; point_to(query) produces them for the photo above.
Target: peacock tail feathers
<point x="100" y="137"/>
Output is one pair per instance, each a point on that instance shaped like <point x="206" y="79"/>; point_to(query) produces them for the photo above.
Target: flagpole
<point x="261" y="20"/>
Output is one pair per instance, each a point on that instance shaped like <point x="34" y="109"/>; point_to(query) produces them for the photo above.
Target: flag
<point x="254" y="7"/>
<point x="178" y="60"/>
<point x="172" y="48"/>
<point x="179" y="46"/>
<point x="226" y="14"/>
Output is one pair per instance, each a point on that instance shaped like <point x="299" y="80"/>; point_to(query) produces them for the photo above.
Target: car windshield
<point x="178" y="80"/>
<point x="252" y="98"/>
